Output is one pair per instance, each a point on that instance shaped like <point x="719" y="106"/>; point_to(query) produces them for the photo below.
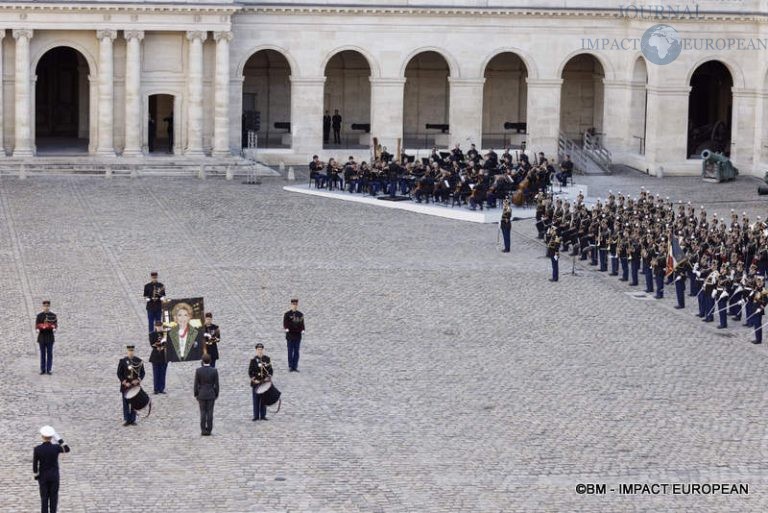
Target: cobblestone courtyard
<point x="437" y="374"/>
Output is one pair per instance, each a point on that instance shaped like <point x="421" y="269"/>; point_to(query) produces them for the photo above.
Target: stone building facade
<point x="143" y="79"/>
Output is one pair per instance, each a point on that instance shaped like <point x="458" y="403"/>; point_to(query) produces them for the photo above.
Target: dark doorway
<point x="160" y="134"/>
<point x="62" y="100"/>
<point x="710" y="105"/>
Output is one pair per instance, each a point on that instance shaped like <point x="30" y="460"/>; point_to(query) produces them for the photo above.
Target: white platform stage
<point x="462" y="213"/>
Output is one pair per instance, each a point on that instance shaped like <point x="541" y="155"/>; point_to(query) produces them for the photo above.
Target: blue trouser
<point x="158" y="376"/>
<point x="555" y="268"/>
<point x="692" y="281"/>
<point x="46" y="356"/>
<point x="635" y="266"/>
<point x="722" y="307"/>
<point x="128" y="414"/>
<point x="603" y="254"/>
<point x="680" y="290"/>
<point x="709" y="306"/>
<point x="320" y="181"/>
<point x="393" y="188"/>
<point x="49" y="495"/>
<point x="648" y="272"/>
<point x="373" y="187"/>
<point x="702" y="303"/>
<point x="624" y="268"/>
<point x="293" y="353"/>
<point x="659" y="285"/>
<point x="594" y="253"/>
<point x="614" y="264"/>
<point x="734" y="305"/>
<point x="152" y="316"/>
<point x="505" y="236"/>
<point x="259" y="408"/>
<point x="757" y="322"/>
<point x="749" y="309"/>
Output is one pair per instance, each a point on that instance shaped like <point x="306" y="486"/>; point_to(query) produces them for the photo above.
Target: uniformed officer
<point x="45" y="466"/>
<point x="505" y="225"/>
<point x="259" y="370"/>
<point x="681" y="273"/>
<point x="158" y="340"/>
<point x="130" y="372"/>
<point x="553" y="252"/>
<point x="293" y="324"/>
<point x="759" y="300"/>
<point x="154" y="294"/>
<point x="46" y="324"/>
<point x="211" y="337"/>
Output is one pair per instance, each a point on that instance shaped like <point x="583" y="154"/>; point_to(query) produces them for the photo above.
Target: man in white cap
<point x="45" y="465"/>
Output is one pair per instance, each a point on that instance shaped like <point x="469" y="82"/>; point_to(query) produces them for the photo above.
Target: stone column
<point x="745" y="144"/>
<point x="221" y="95"/>
<point x="2" y="117"/>
<point x="387" y="96"/>
<point x="23" y="112"/>
<point x="105" y="134"/>
<point x="543" y="116"/>
<point x="195" y="93"/>
<point x="465" y="113"/>
<point x="667" y="127"/>
<point x="618" y="121"/>
<point x="133" y="93"/>
<point x="307" y="114"/>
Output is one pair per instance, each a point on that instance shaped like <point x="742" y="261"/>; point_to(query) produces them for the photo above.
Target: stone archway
<point x="710" y="107"/>
<point x="581" y="97"/>
<point x="267" y="100"/>
<point x="426" y="101"/>
<point x="505" y="98"/>
<point x="62" y="102"/>
<point x="348" y="91"/>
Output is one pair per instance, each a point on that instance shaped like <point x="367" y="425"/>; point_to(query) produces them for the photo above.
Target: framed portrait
<point x="183" y="319"/>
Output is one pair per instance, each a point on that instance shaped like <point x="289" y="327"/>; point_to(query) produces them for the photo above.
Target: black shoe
<point x="721" y="327"/>
<point x="42" y="372"/>
<point x="756" y="342"/>
<point x="254" y="419"/>
<point x="295" y="370"/>
<point x="678" y="307"/>
<point x="161" y="392"/>
<point x="264" y="418"/>
<point x="49" y="373"/>
<point x="155" y="392"/>
<point x="615" y="274"/>
<point x="699" y="315"/>
<point x="553" y="280"/>
<point x="126" y="423"/>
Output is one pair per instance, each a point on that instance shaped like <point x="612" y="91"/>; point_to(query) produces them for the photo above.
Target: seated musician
<point x="456" y="154"/>
<point x="442" y="190"/>
<point x="473" y="155"/>
<point x="385" y="155"/>
<point x="351" y="175"/>
<point x="477" y="198"/>
<point x="316" y="172"/>
<point x="566" y="171"/>
<point x="424" y="188"/>
<point x="333" y="175"/>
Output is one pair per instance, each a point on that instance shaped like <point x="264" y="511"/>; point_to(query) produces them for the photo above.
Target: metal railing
<point x="266" y="139"/>
<point x="566" y="146"/>
<point x="349" y="141"/>
<point x="419" y="140"/>
<point x="498" y="140"/>
<point x="594" y="149"/>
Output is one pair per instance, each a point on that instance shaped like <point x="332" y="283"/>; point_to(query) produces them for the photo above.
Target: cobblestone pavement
<point x="437" y="374"/>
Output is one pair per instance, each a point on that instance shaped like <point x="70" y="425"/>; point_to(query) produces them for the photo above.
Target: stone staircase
<point x="589" y="158"/>
<point x="228" y="167"/>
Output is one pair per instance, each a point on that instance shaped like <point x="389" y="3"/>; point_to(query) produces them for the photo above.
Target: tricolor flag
<point x="675" y="255"/>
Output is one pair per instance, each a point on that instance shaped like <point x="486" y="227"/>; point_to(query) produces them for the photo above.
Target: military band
<point x="211" y="338"/>
<point x="158" y="341"/>
<point x="154" y="295"/>
<point x="46" y="324"/>
<point x="130" y="372"/>
<point x="259" y="370"/>
<point x="724" y="261"/>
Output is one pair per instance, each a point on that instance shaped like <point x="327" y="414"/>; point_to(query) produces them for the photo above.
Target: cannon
<point x="437" y="126"/>
<point x="520" y="128"/>
<point x="716" y="167"/>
